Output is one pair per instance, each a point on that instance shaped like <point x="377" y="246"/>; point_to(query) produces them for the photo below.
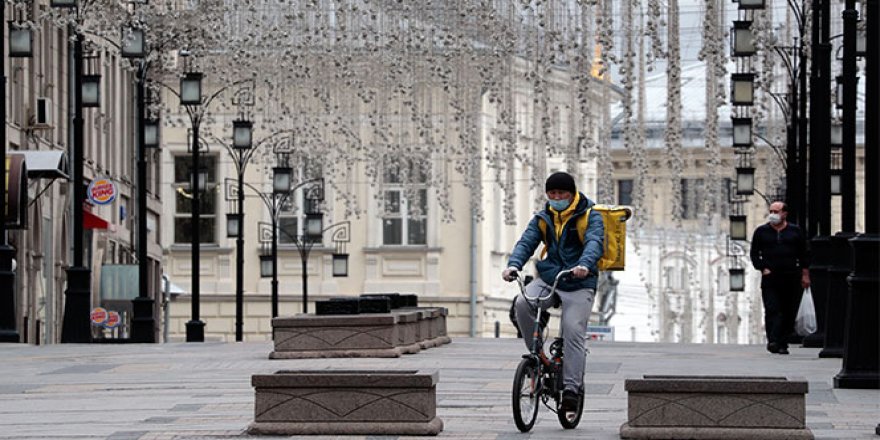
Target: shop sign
<point x="102" y="191"/>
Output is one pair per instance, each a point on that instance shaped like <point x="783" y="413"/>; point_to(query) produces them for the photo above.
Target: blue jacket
<point x="568" y="251"/>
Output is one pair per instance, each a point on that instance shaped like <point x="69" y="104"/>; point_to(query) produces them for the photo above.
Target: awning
<point x="45" y="164"/>
<point x="92" y="221"/>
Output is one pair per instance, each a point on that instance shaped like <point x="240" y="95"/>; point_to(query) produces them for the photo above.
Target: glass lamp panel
<point x="266" y="266"/>
<point x="737" y="280"/>
<point x="861" y="42"/>
<point x="743" y="40"/>
<point x="281" y="179"/>
<point x="742" y="132"/>
<point x="133" y="44"/>
<point x="91" y="90"/>
<point x="738" y="227"/>
<point x="151" y="134"/>
<point x="63" y="3"/>
<point x="836" y="135"/>
<point x="743" y="90"/>
<point x="191" y="89"/>
<point x="314" y="227"/>
<point x="242" y="134"/>
<point x="751" y="4"/>
<point x="839" y="93"/>
<point x="340" y="265"/>
<point x="836" y="183"/>
<point x="21" y="41"/>
<point x="233" y="225"/>
<point x="745" y="181"/>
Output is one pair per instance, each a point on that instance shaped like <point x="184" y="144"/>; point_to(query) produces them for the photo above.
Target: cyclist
<point x="564" y="250"/>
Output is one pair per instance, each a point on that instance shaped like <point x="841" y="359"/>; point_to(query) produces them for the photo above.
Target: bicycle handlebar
<point x="522" y="287"/>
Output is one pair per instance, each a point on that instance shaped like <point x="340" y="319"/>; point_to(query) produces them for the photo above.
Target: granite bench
<point x="715" y="407"/>
<point x="345" y="403"/>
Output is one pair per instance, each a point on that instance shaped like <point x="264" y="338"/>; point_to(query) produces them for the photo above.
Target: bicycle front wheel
<point x="526" y="394"/>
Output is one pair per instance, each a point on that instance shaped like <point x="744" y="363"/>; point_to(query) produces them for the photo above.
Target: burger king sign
<point x="102" y="191"/>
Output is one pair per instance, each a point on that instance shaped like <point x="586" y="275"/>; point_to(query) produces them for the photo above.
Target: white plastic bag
<point x="805" y="323"/>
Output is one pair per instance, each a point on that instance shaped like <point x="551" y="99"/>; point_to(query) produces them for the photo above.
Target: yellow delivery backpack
<point x="614" y="217"/>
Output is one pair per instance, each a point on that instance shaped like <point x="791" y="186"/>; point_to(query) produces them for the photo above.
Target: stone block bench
<point x="346" y="402"/>
<point x="401" y="331"/>
<point x="715" y="407"/>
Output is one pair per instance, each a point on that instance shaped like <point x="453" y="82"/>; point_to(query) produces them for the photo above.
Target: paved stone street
<point x="202" y="391"/>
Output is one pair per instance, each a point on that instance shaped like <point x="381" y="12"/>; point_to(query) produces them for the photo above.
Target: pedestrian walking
<point x="780" y="252"/>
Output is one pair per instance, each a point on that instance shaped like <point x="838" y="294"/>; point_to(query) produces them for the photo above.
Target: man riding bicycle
<point x="564" y="250"/>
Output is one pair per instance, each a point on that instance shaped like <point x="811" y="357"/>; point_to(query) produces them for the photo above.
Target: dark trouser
<point x="782" y="295"/>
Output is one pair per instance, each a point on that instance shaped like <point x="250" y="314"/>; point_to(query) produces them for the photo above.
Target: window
<point x="624" y="191"/>
<point x="404" y="219"/>
<point x="183" y="201"/>
<point x="693" y="195"/>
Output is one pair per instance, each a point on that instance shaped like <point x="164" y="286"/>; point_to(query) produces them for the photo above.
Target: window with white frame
<point x="183" y="200"/>
<point x="405" y="202"/>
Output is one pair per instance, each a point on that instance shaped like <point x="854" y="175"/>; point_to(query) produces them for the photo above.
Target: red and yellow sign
<point x="98" y="316"/>
<point x="102" y="191"/>
<point x="113" y="319"/>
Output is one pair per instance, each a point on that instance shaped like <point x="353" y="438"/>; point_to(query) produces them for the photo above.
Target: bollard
<point x="497" y="329"/>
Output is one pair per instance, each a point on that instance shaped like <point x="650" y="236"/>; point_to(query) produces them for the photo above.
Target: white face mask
<point x="774" y="219"/>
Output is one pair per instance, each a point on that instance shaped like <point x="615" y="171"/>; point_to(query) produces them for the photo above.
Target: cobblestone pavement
<point x="202" y="391"/>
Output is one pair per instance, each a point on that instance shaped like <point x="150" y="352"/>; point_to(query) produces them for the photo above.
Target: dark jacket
<point x="567" y="252"/>
<point x="784" y="252"/>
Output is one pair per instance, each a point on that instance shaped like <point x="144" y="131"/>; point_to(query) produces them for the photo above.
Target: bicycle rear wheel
<point x="570" y="419"/>
<point x="526" y="394"/>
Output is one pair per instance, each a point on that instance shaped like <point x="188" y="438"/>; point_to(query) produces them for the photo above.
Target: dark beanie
<point x="560" y="180"/>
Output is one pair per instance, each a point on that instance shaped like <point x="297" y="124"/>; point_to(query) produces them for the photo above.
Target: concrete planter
<point x="405" y="330"/>
<point x="715" y="407"/>
<point x="346" y="402"/>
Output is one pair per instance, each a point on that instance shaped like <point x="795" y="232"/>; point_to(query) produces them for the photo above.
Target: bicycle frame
<point x="538" y="342"/>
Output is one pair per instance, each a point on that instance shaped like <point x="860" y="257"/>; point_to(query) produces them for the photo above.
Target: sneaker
<point x="569" y="401"/>
<point x="773" y="347"/>
<point x="783" y="350"/>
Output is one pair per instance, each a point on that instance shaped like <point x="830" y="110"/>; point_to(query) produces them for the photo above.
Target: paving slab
<point x="203" y="390"/>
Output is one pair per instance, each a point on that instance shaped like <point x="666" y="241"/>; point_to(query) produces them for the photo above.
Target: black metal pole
<point x="274" y="259"/>
<point x="861" y="359"/>
<point x="239" y="259"/>
<point x="792" y="181"/>
<point x="143" y="323"/>
<point x="305" y="276"/>
<point x="195" y="328"/>
<point x="848" y="180"/>
<point x="8" y="331"/>
<point x="803" y="120"/>
<point x="78" y="296"/>
<point x="818" y="222"/>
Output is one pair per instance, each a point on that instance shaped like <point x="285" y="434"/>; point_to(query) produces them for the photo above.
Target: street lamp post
<point x="8" y="332"/>
<point x="75" y="327"/>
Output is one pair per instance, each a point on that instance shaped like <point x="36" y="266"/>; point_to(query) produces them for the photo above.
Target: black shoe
<point x="773" y="347"/>
<point x="569" y="401"/>
<point x="783" y="350"/>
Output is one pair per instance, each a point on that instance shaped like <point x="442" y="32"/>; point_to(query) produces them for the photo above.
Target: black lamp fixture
<point x="191" y="89"/>
<point x="151" y="133"/>
<point x="282" y="179"/>
<point x="742" y="132"/>
<point x="340" y="265"/>
<point x="314" y="226"/>
<point x="839" y="92"/>
<point x="91" y="90"/>
<point x="836" y="182"/>
<point x="133" y="43"/>
<point x="266" y="262"/>
<point x="742" y="89"/>
<point x="745" y="181"/>
<point x="751" y="4"/>
<point x="861" y="42"/>
<point x="836" y="135"/>
<point x="738" y="227"/>
<point x="21" y="41"/>
<point x="201" y="178"/>
<point x="233" y="224"/>
<point x="242" y="134"/>
<point x="741" y="39"/>
<point x="737" y="279"/>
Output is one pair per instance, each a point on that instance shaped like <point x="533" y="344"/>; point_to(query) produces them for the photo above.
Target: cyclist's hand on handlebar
<point x="580" y="272"/>
<point x="509" y="274"/>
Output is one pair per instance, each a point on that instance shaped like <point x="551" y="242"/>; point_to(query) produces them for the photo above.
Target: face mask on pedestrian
<point x="559" y="205"/>
<point x="774" y="219"/>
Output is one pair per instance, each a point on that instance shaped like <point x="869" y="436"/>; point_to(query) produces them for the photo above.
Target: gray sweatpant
<point x="576" y="307"/>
